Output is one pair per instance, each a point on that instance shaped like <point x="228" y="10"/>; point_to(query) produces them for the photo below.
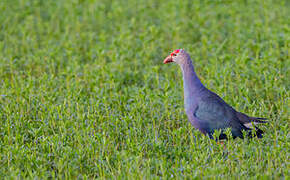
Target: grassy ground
<point x="84" y="93"/>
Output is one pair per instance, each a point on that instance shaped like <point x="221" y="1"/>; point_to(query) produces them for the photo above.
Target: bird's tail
<point x="245" y="119"/>
<point x="258" y="120"/>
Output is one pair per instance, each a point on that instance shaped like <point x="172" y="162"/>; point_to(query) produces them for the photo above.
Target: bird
<point x="207" y="111"/>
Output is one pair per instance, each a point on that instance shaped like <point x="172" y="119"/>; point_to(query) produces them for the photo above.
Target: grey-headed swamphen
<point x="207" y="111"/>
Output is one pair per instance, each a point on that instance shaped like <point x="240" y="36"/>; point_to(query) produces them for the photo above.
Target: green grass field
<point x="84" y="92"/>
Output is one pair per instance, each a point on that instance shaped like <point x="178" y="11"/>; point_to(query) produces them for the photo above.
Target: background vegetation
<point x="84" y="93"/>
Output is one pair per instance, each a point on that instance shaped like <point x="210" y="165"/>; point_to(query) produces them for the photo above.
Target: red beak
<point x="168" y="59"/>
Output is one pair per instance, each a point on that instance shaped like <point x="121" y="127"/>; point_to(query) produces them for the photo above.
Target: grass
<point x="84" y="93"/>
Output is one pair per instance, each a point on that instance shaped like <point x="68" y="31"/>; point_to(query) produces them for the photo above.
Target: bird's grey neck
<point x="191" y="83"/>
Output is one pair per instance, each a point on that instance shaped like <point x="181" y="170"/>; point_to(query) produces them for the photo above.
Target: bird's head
<point x="178" y="56"/>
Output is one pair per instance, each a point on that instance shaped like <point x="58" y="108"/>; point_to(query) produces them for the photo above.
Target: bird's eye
<point x="174" y="54"/>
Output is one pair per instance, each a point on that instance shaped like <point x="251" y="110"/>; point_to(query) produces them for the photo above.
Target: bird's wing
<point x="217" y="114"/>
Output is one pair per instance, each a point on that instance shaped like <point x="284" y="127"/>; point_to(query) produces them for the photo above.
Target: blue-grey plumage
<point x="205" y="110"/>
